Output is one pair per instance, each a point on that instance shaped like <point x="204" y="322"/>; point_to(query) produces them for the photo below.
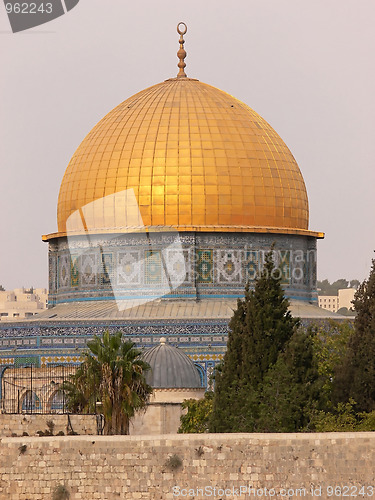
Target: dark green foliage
<point x="113" y="374"/>
<point x="326" y="288"/>
<point x="196" y="419"/>
<point x="355" y="377"/>
<point x="330" y="342"/>
<point x="291" y="388"/>
<point x="344" y="418"/>
<point x="258" y="331"/>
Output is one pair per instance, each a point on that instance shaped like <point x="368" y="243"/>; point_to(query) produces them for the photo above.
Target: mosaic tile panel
<point x="64" y="271"/>
<point x="106" y="272"/>
<point x="251" y="265"/>
<point x="129" y="268"/>
<point x="299" y="269"/>
<point x="306" y="273"/>
<point x="204" y="265"/>
<point x="89" y="271"/>
<point x="153" y="267"/>
<point x="74" y="270"/>
<point x="52" y="272"/>
<point x="178" y="265"/>
<point x="228" y="265"/>
<point x="26" y="361"/>
<point x="283" y="264"/>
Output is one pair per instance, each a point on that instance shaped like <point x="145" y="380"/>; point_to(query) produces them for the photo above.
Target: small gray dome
<point x="170" y="368"/>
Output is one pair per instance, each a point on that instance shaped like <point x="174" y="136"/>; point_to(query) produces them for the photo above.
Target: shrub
<point x="51" y="427"/>
<point x="174" y="462"/>
<point x="22" y="449"/>
<point x="61" y="492"/>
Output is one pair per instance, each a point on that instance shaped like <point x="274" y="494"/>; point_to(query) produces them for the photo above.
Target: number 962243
<point x="29" y="8"/>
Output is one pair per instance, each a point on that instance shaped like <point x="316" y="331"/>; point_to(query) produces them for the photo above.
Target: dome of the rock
<point x="197" y="159"/>
<point x="166" y="212"/>
<point x="178" y="192"/>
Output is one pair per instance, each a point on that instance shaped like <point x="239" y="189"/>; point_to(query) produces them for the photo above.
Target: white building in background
<point x="335" y="302"/>
<point x="22" y="303"/>
<point x="346" y="296"/>
<point x="329" y="302"/>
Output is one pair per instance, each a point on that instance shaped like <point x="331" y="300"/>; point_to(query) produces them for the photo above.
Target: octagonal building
<point x="165" y="212"/>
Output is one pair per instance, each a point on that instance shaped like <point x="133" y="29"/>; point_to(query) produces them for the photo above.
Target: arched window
<point x="202" y="374"/>
<point x="30" y="402"/>
<point x="57" y="401"/>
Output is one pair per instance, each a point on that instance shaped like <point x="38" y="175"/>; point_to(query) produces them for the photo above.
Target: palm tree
<point x="114" y="374"/>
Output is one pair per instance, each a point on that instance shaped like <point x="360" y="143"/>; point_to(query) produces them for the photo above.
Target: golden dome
<point x="197" y="159"/>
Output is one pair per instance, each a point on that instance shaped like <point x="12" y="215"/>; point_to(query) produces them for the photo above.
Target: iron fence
<point x="35" y="390"/>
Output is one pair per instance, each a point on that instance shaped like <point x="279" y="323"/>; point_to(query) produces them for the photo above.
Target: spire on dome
<point x="181" y="54"/>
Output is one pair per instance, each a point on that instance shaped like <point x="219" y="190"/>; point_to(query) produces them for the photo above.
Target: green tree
<point x="112" y="373"/>
<point x="196" y="419"/>
<point x="326" y="288"/>
<point x="259" y="329"/>
<point x="344" y="418"/>
<point x="81" y="391"/>
<point x="330" y="343"/>
<point x="355" y="376"/>
<point x="291" y="390"/>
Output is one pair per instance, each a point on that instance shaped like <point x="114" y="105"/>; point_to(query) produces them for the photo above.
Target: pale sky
<point x="306" y="67"/>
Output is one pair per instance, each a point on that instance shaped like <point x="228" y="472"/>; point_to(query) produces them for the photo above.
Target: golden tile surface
<point x="197" y="159"/>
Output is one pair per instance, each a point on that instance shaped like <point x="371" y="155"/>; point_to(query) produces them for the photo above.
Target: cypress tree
<point x="258" y="331"/>
<point x="291" y="389"/>
<point x="355" y="377"/>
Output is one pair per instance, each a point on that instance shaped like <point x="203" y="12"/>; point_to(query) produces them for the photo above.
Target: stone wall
<point x="140" y="467"/>
<point x="19" y="424"/>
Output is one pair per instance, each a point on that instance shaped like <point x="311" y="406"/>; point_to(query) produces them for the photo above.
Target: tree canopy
<point x="196" y="419"/>
<point x="258" y="331"/>
<point x="355" y="376"/>
<point x="326" y="288"/>
<point x="112" y="374"/>
<point x="277" y="376"/>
